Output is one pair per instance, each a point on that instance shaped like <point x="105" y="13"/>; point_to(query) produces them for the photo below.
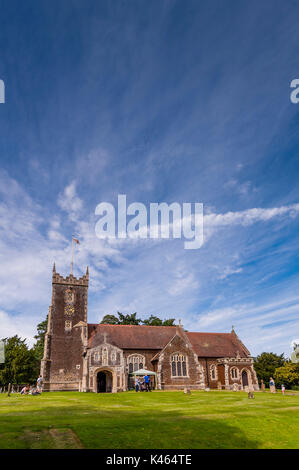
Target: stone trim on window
<point x="135" y="362"/>
<point x="234" y="373"/>
<point x="68" y="325"/>
<point x="213" y="372"/>
<point x="179" y="365"/>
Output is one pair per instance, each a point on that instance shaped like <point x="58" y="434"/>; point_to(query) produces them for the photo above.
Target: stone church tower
<point x="66" y="337"/>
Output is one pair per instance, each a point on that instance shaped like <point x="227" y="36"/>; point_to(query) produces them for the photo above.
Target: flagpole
<point x="72" y="262"/>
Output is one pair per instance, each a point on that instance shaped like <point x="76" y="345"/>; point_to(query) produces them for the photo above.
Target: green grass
<point x="157" y="420"/>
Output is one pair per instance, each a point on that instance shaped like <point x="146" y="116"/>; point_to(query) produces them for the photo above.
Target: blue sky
<point x="161" y="101"/>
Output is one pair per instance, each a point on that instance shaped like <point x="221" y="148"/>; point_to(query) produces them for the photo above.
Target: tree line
<point x="131" y="319"/>
<point x="22" y="364"/>
<point x="283" y="371"/>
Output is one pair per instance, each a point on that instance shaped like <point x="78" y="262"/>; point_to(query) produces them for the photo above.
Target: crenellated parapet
<point x="71" y="279"/>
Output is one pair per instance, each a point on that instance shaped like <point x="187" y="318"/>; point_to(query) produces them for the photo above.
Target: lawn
<point x="156" y="420"/>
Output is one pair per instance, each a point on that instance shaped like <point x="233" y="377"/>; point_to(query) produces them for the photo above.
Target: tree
<point x="153" y="321"/>
<point x="38" y="347"/>
<point x="128" y="319"/>
<point x="265" y="365"/>
<point x="110" y="320"/>
<point x="169" y="322"/>
<point x="156" y="321"/>
<point x="288" y="375"/>
<point x="20" y="362"/>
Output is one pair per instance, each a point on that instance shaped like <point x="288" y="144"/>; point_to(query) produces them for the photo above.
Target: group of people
<point x="35" y="389"/>
<point x="142" y="385"/>
<point x="272" y="386"/>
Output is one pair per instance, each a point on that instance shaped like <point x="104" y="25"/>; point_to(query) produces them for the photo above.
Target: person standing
<point x="137" y="384"/>
<point x="283" y="389"/>
<point x="263" y="386"/>
<point x="39" y="384"/>
<point x="147" y="383"/>
<point x="272" y="385"/>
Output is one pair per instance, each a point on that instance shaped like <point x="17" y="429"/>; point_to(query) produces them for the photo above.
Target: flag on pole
<point x="76" y="240"/>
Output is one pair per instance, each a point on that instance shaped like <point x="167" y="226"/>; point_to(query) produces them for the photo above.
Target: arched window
<point x="136" y="362"/>
<point x="234" y="373"/>
<point x="213" y="372"/>
<point x="96" y="356"/>
<point x="178" y="365"/>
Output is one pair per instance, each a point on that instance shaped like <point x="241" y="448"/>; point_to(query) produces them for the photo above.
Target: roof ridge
<point x="207" y="333"/>
<point x="109" y="324"/>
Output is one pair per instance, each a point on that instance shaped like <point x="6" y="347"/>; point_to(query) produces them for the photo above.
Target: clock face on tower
<point x="69" y="300"/>
<point x="69" y="310"/>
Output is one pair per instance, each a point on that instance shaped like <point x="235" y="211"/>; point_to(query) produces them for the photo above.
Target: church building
<point x="81" y="356"/>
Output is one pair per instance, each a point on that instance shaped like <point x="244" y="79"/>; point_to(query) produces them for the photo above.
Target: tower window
<point x="68" y="325"/>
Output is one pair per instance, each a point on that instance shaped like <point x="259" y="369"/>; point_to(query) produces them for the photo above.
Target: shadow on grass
<point x="120" y="429"/>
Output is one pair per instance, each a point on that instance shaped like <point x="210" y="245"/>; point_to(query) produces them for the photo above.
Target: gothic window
<point x="136" y="362"/>
<point x="213" y="372"/>
<point x="68" y="325"/>
<point x="178" y="365"/>
<point x="96" y="356"/>
<point x="234" y="373"/>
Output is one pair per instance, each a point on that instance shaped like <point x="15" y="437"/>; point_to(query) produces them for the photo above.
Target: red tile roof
<point x="157" y="337"/>
<point x="217" y="344"/>
<point x="131" y="336"/>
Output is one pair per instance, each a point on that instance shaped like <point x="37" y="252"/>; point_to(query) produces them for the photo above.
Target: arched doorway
<point x="244" y="378"/>
<point x="104" y="381"/>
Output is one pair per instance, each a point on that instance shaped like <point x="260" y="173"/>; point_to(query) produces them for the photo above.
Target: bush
<point x="288" y="374"/>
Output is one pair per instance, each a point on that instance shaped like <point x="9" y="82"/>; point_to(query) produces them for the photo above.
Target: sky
<point x="163" y="101"/>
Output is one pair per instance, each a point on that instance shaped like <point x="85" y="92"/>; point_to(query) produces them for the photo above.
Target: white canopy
<point x="143" y="372"/>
